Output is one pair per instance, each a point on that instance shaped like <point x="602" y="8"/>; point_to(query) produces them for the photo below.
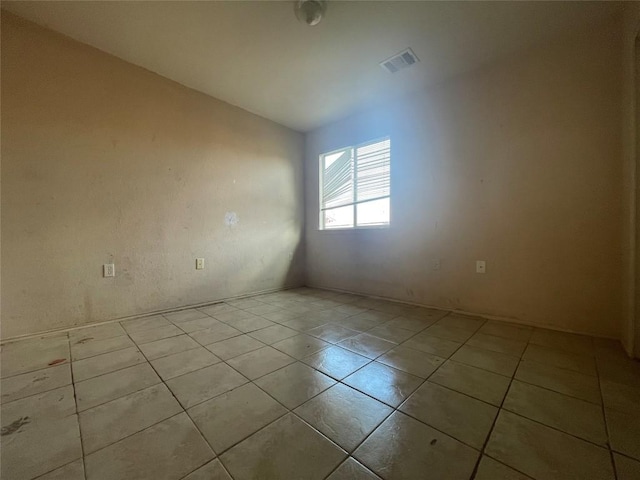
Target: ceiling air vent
<point x="402" y="60"/>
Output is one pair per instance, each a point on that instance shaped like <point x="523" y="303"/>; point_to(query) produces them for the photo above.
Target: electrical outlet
<point x="199" y="263"/>
<point x="109" y="270"/>
<point x="481" y="266"/>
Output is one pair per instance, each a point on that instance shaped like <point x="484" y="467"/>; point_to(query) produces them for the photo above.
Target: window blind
<point x="337" y="188"/>
<point x="373" y="164"/>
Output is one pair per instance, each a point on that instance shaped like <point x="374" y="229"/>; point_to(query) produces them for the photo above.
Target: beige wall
<point x="518" y="165"/>
<point x="630" y="330"/>
<point x="105" y="162"/>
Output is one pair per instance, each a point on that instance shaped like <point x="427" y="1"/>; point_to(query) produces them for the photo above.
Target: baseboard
<point x="514" y="320"/>
<point x="55" y="331"/>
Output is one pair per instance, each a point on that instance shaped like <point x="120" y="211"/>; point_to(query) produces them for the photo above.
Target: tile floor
<point x="312" y="384"/>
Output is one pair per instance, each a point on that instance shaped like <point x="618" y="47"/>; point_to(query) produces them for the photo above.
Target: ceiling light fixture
<point x="310" y="11"/>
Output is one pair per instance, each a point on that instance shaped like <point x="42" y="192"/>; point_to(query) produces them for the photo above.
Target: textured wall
<point x="105" y="162"/>
<point x="519" y="165"/>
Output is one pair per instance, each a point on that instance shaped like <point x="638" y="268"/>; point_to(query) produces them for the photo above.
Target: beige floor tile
<point x="412" y="361"/>
<point x="205" y="323"/>
<point x="464" y="322"/>
<point x="196" y="387"/>
<point x="166" y="451"/>
<point x="232" y="347"/>
<point x="560" y="380"/>
<point x="152" y="334"/>
<point x="414" y="324"/>
<point x="139" y="324"/>
<point x="211" y="471"/>
<point x="185" y="315"/>
<point x="367" y="345"/>
<point x="344" y="415"/>
<point x="217" y="308"/>
<point x="403" y="448"/>
<point x="295" y="384"/>
<point x="280" y="316"/>
<point x="391" y="333"/>
<point x="273" y="334"/>
<point x="624" y="432"/>
<point x="571" y="415"/>
<point x="244" y="303"/>
<point x="617" y="396"/>
<point x="233" y="416"/>
<point x="184" y="362"/>
<point x="460" y="416"/>
<point x="30" y="355"/>
<point x="332" y="333"/>
<point x="350" y="309"/>
<point x="626" y="468"/>
<point x="544" y="453"/>
<point x="567" y="342"/>
<point x="99" y="332"/>
<point x="301" y="346"/>
<point x="434" y="345"/>
<point x="215" y="334"/>
<point x="168" y="346"/>
<point x="247" y="325"/>
<point x="487" y="360"/>
<point x="105" y="363"/>
<point x="448" y="332"/>
<point x="430" y="314"/>
<point x="481" y="384"/>
<point x="102" y="389"/>
<point x="498" y="344"/>
<point x="619" y="370"/>
<point x="490" y="469"/>
<point x="304" y="323"/>
<point x="351" y="469"/>
<point x="71" y="471"/>
<point x="55" y="442"/>
<point x="259" y="362"/>
<point x="262" y="309"/>
<point x="92" y="348"/>
<point x="569" y="361"/>
<point x="364" y="321"/>
<point x="506" y="330"/>
<point x="384" y="383"/>
<point x="40" y="408"/>
<point x="286" y="449"/>
<point x="115" y="420"/>
<point x="233" y="316"/>
<point x="336" y="362"/>
<point x="26" y="384"/>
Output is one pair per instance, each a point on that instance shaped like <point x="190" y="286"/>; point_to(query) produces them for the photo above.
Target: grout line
<point x="495" y="420"/>
<point x="606" y="424"/>
<point x="75" y="399"/>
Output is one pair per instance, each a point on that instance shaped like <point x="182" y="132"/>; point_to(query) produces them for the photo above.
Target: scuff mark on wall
<point x="231" y="219"/>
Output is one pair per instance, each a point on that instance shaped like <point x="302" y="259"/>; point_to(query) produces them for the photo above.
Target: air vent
<point x="400" y="61"/>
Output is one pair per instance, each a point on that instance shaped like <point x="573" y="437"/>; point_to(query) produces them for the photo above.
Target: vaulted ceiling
<point x="256" y="55"/>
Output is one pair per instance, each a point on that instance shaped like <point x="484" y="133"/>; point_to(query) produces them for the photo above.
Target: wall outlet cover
<point x="109" y="270"/>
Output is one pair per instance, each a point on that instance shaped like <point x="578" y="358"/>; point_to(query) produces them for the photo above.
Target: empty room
<point x="299" y="240"/>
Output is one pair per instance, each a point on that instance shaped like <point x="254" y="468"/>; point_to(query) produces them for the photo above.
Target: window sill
<point x="352" y="229"/>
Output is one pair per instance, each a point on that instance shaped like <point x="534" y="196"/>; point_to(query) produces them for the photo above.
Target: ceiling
<point x="256" y="55"/>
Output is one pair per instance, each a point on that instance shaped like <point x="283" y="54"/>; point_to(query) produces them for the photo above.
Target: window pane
<point x="374" y="169"/>
<point x="337" y="178"/>
<point x="375" y="212"/>
<point x="341" y="217"/>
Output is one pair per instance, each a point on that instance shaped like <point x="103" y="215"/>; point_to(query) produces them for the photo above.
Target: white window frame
<point x="354" y="149"/>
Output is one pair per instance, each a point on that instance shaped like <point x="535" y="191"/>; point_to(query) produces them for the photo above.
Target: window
<point x="355" y="186"/>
